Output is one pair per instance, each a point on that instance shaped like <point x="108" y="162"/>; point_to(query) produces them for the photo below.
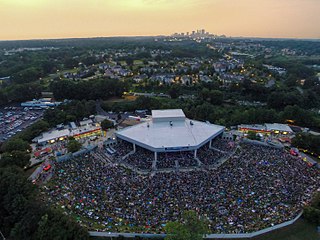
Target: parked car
<point x="47" y="167"/>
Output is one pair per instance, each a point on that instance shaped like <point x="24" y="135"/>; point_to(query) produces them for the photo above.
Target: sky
<point x="41" y="19"/>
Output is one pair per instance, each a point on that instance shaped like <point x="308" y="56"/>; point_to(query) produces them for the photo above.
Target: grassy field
<point x="301" y="230"/>
<point x="127" y="98"/>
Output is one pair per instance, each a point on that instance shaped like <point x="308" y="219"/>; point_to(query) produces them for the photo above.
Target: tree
<point x="71" y="63"/>
<point x="23" y="92"/>
<point x="252" y="135"/>
<point x="129" y="61"/>
<point x="3" y="98"/>
<point x="15" y="195"/>
<point x="17" y="158"/>
<point x="73" y="146"/>
<point x="27" y="75"/>
<point x="280" y="99"/>
<point x="144" y="102"/>
<point x="203" y="111"/>
<point x="177" y="231"/>
<point x="34" y="130"/>
<point x="312" y="213"/>
<point x="55" y="225"/>
<point x="106" y="124"/>
<point x="174" y="91"/>
<point x="216" y="97"/>
<point x="190" y="228"/>
<point x="24" y="217"/>
<point x="69" y="112"/>
<point x="15" y="144"/>
<point x="302" y="117"/>
<point x="307" y="141"/>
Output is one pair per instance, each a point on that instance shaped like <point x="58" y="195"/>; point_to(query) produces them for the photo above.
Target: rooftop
<point x="180" y="133"/>
<point x="168" y="115"/>
<point x="278" y="127"/>
<point x="47" y="136"/>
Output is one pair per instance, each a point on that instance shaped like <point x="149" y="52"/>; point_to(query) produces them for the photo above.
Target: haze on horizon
<point x="42" y="19"/>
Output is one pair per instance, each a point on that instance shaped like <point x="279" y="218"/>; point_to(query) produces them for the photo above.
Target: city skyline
<point x="44" y="19"/>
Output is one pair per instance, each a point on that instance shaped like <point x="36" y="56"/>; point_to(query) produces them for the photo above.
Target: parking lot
<point x="15" y="119"/>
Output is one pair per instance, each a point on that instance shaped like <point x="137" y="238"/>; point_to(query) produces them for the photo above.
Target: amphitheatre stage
<point x="153" y="173"/>
<point x="170" y="131"/>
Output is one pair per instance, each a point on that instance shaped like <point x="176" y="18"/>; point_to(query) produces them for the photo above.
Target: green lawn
<point x="120" y="100"/>
<point x="137" y="62"/>
<point x="301" y="230"/>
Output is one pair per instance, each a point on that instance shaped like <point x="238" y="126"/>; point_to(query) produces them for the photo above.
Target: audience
<point x="256" y="188"/>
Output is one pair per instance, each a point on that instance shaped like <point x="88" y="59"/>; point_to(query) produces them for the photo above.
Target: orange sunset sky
<point x="33" y="19"/>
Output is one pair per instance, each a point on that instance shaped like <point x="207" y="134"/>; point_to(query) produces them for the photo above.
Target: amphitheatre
<point x="159" y="168"/>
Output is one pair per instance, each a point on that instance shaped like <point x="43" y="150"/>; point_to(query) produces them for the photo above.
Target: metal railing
<point x="208" y="236"/>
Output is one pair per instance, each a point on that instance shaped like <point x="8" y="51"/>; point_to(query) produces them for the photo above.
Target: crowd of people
<point x="223" y="145"/>
<point x="186" y="159"/>
<point x="167" y="162"/>
<point x="144" y="159"/>
<point x="122" y="149"/>
<point x="256" y="188"/>
<point x="210" y="157"/>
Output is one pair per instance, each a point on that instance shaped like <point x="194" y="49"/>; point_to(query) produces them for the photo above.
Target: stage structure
<point x="170" y="131"/>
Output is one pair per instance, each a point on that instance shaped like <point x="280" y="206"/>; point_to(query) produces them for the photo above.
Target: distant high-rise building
<point x="195" y="33"/>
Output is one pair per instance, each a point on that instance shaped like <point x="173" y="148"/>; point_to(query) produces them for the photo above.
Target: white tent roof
<point x="161" y="136"/>
<point x="278" y="127"/>
<point x="47" y="136"/>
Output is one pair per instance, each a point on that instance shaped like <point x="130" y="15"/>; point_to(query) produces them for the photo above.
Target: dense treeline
<point x="279" y="99"/>
<point x="307" y="141"/>
<point x="191" y="49"/>
<point x="29" y="66"/>
<point x="96" y="43"/>
<point x="93" y="89"/>
<point x="20" y="92"/>
<point x="33" y="131"/>
<point x="23" y="215"/>
<point x="312" y="213"/>
<point x="311" y="47"/>
<point x="224" y="114"/>
<point x="295" y="68"/>
<point x="73" y="111"/>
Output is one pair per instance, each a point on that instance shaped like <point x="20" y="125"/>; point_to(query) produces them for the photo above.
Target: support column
<point x="134" y="148"/>
<point x="154" y="163"/>
<point x="210" y="143"/>
<point x="195" y="153"/>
